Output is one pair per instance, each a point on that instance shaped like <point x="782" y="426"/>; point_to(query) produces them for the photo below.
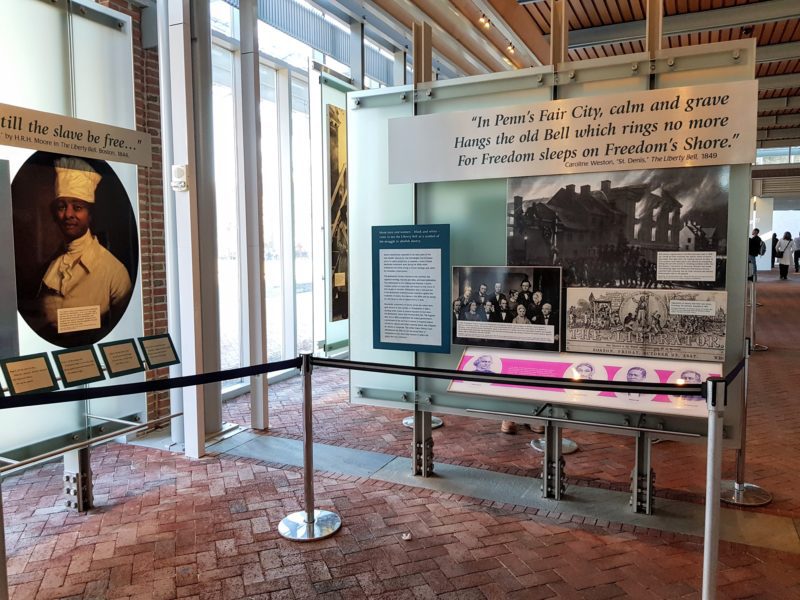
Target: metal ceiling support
<point x="779" y="104"/>
<point x="444" y="39"/>
<point x="778" y="134"/>
<point x="357" y="54"/>
<point x="559" y="26"/>
<point x="655" y="25"/>
<point x="383" y="29"/>
<point x="778" y="143"/>
<point x="779" y="121"/>
<point x="399" y="68"/>
<point x="521" y="49"/>
<point x="779" y="82"/>
<point x="768" y="11"/>
<point x="776" y="52"/>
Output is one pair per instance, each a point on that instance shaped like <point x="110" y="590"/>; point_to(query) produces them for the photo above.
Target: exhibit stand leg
<point x="3" y="571"/>
<point x="753" y="305"/>
<point x="643" y="478"/>
<point x="737" y="491"/>
<point x="553" y="485"/>
<point x="716" y="409"/>
<point x="422" y="445"/>
<point x="78" y="479"/>
<point x="308" y="525"/>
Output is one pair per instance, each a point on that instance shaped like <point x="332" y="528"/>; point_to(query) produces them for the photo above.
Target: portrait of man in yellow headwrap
<point x="81" y="289"/>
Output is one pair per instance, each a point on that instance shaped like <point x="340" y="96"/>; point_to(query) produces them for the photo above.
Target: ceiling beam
<point x="778" y="82"/>
<point x="778" y="134"/>
<point x="448" y="18"/>
<point x="776" y="52"/>
<point x="525" y="49"/>
<point x="451" y="47"/>
<point x="732" y="17"/>
<point x="789" y="103"/>
<point x="383" y="30"/>
<point x="778" y="121"/>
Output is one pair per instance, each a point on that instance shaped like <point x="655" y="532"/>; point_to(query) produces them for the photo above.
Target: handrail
<point x="87" y="443"/>
<point x="543" y="382"/>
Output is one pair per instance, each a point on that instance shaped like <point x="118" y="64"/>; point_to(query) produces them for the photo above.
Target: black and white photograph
<point x="340" y="241"/>
<point x="607" y="229"/>
<point x="76" y="247"/>
<point x="681" y="324"/>
<point x="517" y="307"/>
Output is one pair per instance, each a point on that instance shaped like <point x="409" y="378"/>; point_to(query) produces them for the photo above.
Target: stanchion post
<point x="310" y="524"/>
<point x="715" y="399"/>
<point x="3" y="571"/>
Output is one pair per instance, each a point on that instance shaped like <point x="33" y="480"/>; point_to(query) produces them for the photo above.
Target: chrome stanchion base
<point x="745" y="494"/>
<point x="436" y="422"/>
<point x="567" y="445"/>
<point x="294" y="527"/>
<point x="760" y="347"/>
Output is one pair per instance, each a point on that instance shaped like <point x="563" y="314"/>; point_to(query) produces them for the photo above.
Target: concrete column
<point x="206" y="208"/>
<point x="252" y="190"/>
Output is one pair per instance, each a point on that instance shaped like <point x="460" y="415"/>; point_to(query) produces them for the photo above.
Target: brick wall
<point x="151" y="197"/>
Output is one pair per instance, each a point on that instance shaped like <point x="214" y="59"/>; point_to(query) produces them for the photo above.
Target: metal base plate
<point x="436" y="422"/>
<point x="760" y="347"/>
<point x="567" y="445"/>
<point x="746" y="494"/>
<point x="294" y="526"/>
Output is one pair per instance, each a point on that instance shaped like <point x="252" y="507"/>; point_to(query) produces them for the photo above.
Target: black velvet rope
<point x="156" y="385"/>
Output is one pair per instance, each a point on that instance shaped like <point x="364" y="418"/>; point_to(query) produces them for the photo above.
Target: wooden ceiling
<point x="600" y="28"/>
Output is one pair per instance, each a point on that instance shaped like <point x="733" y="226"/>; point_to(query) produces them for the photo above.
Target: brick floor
<point x="169" y="527"/>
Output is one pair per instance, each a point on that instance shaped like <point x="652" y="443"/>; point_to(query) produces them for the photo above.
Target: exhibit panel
<point x="373" y="201"/>
<point x="700" y="249"/>
<point x="333" y="100"/>
<point x="89" y="172"/>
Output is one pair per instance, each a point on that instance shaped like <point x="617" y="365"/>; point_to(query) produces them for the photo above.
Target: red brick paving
<point x="169" y="527"/>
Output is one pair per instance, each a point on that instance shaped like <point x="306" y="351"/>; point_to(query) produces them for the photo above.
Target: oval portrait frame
<point x="38" y="242"/>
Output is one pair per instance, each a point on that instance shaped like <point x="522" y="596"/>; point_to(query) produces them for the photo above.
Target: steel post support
<point x="643" y="478"/>
<point x="553" y="486"/>
<point x="78" y="480"/>
<point x="310" y="524"/>
<point x="3" y="571"/>
<point x="422" y="451"/>
<point x="737" y="491"/>
<point x="715" y="398"/>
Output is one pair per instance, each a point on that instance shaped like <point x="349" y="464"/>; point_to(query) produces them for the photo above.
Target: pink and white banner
<point x="588" y="367"/>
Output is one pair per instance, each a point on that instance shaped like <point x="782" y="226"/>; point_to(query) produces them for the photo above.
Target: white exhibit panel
<point x="61" y="74"/>
<point x="373" y="201"/>
<point x="35" y="34"/>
